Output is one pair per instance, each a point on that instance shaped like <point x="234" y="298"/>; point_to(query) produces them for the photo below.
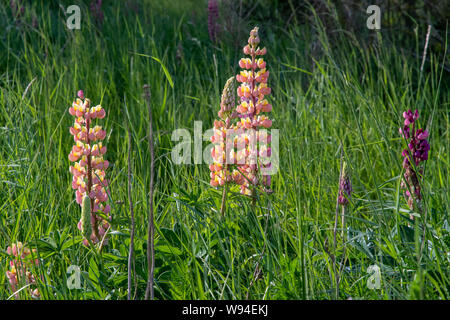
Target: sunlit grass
<point x="351" y="94"/>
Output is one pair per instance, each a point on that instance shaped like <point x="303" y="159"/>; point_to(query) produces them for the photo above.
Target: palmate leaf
<point x="94" y="280"/>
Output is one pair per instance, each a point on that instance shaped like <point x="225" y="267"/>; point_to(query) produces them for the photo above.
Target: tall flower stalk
<point x="413" y="156"/>
<point x="213" y="16"/>
<point x="342" y="202"/>
<point x="345" y="193"/>
<point x="89" y="178"/>
<point x="241" y="153"/>
<point x="240" y="128"/>
<point x="96" y="11"/>
<point x="220" y="173"/>
<point x="253" y="105"/>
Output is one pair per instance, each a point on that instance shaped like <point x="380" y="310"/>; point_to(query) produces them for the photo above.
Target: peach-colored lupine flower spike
<point x="89" y="172"/>
<point x="242" y="165"/>
<point x="252" y="92"/>
<point x="219" y="170"/>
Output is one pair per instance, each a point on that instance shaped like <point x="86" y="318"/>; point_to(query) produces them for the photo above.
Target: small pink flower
<point x="12" y="279"/>
<point x="106" y="209"/>
<point x="266" y="123"/>
<point x="100" y="135"/>
<point x="101" y="114"/>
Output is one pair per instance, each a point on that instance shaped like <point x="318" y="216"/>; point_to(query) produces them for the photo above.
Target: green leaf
<point x="169" y="249"/>
<point x="166" y="72"/>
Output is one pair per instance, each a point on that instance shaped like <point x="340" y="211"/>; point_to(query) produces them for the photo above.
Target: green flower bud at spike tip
<point x="344" y="170"/>
<point x="86" y="217"/>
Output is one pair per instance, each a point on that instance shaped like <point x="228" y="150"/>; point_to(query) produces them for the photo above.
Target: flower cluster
<point x="213" y="16"/>
<point x="416" y="152"/>
<point x="222" y="130"/>
<point x="19" y="11"/>
<point x="245" y="133"/>
<point x="89" y="168"/>
<point x="96" y="11"/>
<point x="253" y="105"/>
<point x="16" y="8"/>
<point x="20" y="266"/>
<point x="345" y="186"/>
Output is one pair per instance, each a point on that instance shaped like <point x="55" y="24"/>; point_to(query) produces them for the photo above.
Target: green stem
<point x="224" y="194"/>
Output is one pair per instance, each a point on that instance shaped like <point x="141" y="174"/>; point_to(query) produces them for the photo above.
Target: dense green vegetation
<point x="333" y="91"/>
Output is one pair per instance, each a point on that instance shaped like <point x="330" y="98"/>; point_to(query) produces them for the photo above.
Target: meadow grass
<point x="326" y="98"/>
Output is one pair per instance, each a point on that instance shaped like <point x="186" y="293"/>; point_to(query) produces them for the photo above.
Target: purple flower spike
<point x="213" y="16"/>
<point x="96" y="11"/>
<point x="418" y="148"/>
<point x="345" y="186"/>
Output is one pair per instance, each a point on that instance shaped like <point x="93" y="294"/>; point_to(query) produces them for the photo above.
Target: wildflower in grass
<point x="413" y="155"/>
<point x="17" y="9"/>
<point x="89" y="177"/>
<point x="344" y="195"/>
<point x="21" y="263"/>
<point x="213" y="16"/>
<point x="241" y="127"/>
<point x="96" y="11"/>
<point x="219" y="168"/>
<point x="251" y="112"/>
<point x="345" y="186"/>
